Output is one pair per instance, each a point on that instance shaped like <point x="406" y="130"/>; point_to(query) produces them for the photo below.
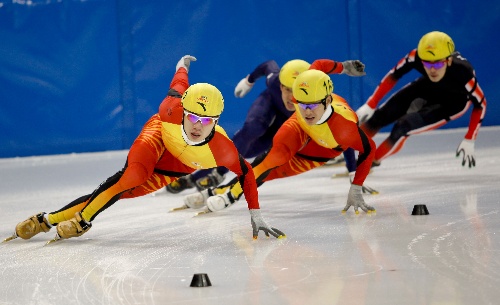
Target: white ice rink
<point x="139" y="253"/>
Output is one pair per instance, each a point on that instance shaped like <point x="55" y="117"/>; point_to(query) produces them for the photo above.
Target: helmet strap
<point x="323" y="101"/>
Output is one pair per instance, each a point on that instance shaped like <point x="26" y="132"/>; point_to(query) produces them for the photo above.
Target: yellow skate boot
<point x="74" y="227"/>
<point x="31" y="227"/>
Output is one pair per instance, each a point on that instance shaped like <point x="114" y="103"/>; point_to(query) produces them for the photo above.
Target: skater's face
<point x="286" y="95"/>
<point x="312" y="112"/>
<point x="436" y="69"/>
<point x="197" y="127"/>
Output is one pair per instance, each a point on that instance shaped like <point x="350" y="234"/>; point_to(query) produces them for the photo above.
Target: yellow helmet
<point x="291" y="70"/>
<point x="312" y="86"/>
<point x="203" y="99"/>
<point x="435" y="46"/>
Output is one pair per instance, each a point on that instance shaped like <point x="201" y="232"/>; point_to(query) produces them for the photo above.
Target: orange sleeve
<point x="226" y="154"/>
<point x="328" y="66"/>
<point x="348" y="134"/>
<point x="286" y="143"/>
<point x="179" y="83"/>
<point x="247" y="180"/>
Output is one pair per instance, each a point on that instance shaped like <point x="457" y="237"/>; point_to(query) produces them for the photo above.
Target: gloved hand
<point x="243" y="87"/>
<point x="355" y="199"/>
<point x="364" y="113"/>
<point x="258" y="224"/>
<point x="364" y="188"/>
<point x="353" y="68"/>
<point x="467" y="147"/>
<point x="185" y="62"/>
<point x="196" y="200"/>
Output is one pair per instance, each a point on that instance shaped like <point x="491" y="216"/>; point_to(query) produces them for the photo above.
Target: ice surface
<point x="138" y="253"/>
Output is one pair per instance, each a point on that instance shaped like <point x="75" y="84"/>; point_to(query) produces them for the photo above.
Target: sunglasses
<point x="311" y="106"/>
<point x="436" y="65"/>
<point x="193" y="118"/>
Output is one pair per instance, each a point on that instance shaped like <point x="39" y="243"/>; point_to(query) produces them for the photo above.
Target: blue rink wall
<point x="84" y="76"/>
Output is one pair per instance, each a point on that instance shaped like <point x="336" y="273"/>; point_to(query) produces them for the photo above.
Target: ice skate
<point x="365" y="189"/>
<point x="369" y="190"/>
<point x="193" y="201"/>
<point x="337" y="161"/>
<point x="74" y="227"/>
<point x="31" y="227"/>
<point x="53" y="240"/>
<point x="211" y="180"/>
<point x="179" y="208"/>
<point x="14" y="236"/>
<point x="340" y="175"/>
<point x="196" y="200"/>
<point x="179" y="185"/>
<point x="204" y="211"/>
<point x="219" y="202"/>
<point x="344" y="174"/>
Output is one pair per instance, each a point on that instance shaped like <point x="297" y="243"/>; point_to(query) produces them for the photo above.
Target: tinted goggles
<point x="311" y="106"/>
<point x="436" y="65"/>
<point x="193" y="118"/>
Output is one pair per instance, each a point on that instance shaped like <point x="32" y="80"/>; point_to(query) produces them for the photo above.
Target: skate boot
<point x="32" y="226"/>
<point x="211" y="180"/>
<point x="180" y="184"/>
<point x="337" y="161"/>
<point x="74" y="227"/>
<point x="219" y="202"/>
<point x="196" y="200"/>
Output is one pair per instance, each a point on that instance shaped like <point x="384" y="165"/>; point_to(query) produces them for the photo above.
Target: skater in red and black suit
<point x="444" y="92"/>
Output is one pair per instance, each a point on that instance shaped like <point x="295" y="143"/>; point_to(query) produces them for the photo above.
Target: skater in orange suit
<point x="182" y="137"/>
<point x="322" y="127"/>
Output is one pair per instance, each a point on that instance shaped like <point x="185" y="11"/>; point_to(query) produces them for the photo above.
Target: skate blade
<point x="179" y="208"/>
<point x="14" y="236"/>
<point x="369" y="190"/>
<point x="207" y="211"/>
<point x="334" y="164"/>
<point x="57" y="238"/>
<point x="340" y="175"/>
<point x="345" y="174"/>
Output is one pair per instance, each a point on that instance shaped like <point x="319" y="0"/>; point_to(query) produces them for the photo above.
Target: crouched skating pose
<point x="182" y="137"/>
<point x="322" y="127"/>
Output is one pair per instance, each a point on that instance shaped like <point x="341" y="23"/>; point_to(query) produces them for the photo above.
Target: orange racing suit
<point x="160" y="155"/>
<point x="299" y="147"/>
